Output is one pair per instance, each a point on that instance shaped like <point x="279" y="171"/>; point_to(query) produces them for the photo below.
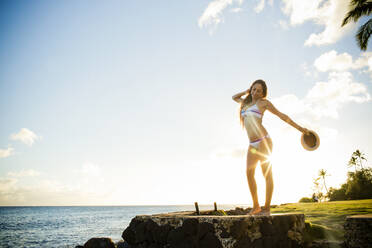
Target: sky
<point x="130" y="102"/>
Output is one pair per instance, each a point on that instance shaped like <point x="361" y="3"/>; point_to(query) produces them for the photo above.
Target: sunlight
<point x="267" y="157"/>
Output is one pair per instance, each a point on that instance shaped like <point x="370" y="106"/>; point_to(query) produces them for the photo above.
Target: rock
<point x="326" y="244"/>
<point x="204" y="228"/>
<point x="184" y="229"/>
<point x="176" y="237"/>
<point x="358" y="231"/>
<point x="210" y="240"/>
<point x="99" y="243"/>
<point x="238" y="211"/>
<point x="122" y="244"/>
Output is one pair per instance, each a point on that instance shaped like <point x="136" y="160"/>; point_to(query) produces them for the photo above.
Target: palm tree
<point x="353" y="162"/>
<point x="359" y="157"/>
<point x="323" y="174"/>
<point x="317" y="195"/>
<point x="359" y="8"/>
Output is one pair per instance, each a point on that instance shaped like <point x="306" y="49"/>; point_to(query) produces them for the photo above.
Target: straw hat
<point x="310" y="141"/>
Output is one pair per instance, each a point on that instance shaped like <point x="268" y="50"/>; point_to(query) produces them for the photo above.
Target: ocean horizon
<point x="68" y="226"/>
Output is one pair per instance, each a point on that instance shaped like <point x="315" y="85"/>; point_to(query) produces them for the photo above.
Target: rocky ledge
<point x="358" y="231"/>
<point x="185" y="229"/>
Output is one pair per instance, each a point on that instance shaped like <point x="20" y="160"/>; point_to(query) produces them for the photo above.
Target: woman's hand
<point x="237" y="97"/>
<point x="305" y="131"/>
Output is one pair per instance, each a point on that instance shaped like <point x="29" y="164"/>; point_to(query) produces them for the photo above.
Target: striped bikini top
<point x="251" y="111"/>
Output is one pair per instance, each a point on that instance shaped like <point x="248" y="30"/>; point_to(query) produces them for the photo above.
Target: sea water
<point x="70" y="226"/>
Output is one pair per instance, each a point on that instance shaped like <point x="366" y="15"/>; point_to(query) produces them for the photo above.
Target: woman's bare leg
<point x="267" y="172"/>
<point x="252" y="160"/>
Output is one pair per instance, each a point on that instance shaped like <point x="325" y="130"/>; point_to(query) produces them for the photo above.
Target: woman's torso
<point x="252" y="115"/>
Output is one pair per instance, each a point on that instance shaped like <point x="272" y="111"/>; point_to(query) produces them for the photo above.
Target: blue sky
<point x="129" y="102"/>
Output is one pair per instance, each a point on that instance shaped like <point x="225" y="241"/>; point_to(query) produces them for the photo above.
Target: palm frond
<point x="363" y="34"/>
<point x="360" y="9"/>
<point x="358" y="2"/>
<point x="352" y="162"/>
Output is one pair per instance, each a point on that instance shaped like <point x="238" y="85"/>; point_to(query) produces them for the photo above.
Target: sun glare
<point x="267" y="157"/>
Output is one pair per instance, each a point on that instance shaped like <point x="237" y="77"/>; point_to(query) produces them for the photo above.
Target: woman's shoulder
<point x="263" y="103"/>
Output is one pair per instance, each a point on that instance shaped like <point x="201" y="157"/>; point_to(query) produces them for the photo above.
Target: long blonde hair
<point x="248" y="99"/>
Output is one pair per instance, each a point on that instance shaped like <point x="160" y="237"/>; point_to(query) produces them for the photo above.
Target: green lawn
<point x="328" y="216"/>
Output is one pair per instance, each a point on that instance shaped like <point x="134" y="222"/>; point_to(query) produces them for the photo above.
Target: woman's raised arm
<point x="237" y="98"/>
<point x="284" y="117"/>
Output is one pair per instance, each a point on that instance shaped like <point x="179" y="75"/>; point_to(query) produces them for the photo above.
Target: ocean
<point x="70" y="226"/>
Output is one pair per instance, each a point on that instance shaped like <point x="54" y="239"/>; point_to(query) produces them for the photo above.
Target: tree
<point x="359" y="8"/>
<point x="318" y="194"/>
<point x="352" y="162"/>
<point x="359" y="157"/>
<point x="356" y="160"/>
<point x="323" y="174"/>
<point x="358" y="184"/>
<point x="337" y="194"/>
<point x="306" y="200"/>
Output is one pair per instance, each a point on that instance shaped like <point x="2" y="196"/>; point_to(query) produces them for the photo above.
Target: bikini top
<point x="252" y="111"/>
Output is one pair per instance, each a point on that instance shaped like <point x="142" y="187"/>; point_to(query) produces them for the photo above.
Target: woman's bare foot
<point x="265" y="212"/>
<point x="255" y="211"/>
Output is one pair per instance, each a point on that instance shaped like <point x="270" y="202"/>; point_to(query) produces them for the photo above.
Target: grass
<point x="325" y="220"/>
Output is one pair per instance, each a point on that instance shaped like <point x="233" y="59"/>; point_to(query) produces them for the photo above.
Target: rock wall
<point x="186" y="230"/>
<point x="358" y="231"/>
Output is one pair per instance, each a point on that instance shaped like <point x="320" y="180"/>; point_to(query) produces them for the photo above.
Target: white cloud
<point x="327" y="13"/>
<point x="236" y="10"/>
<point x="7" y="152"/>
<point x="213" y="13"/>
<point x="26" y="136"/>
<point x="260" y="6"/>
<point x="7" y="184"/>
<point x="364" y="61"/>
<point x="24" y="173"/>
<point x="326" y="98"/>
<point x="31" y="187"/>
<point x="291" y="103"/>
<point x="331" y="15"/>
<point x="300" y="11"/>
<point x="42" y="193"/>
<point x="331" y="61"/>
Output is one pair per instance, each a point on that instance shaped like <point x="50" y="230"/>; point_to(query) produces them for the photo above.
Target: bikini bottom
<point x="256" y="143"/>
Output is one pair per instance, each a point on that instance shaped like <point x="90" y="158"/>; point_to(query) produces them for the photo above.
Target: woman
<point x="252" y="108"/>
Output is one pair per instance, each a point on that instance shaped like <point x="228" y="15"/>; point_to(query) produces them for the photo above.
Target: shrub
<point x="306" y="199"/>
<point x="358" y="186"/>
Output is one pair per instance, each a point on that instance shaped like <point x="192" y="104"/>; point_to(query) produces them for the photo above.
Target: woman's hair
<point x="248" y="98"/>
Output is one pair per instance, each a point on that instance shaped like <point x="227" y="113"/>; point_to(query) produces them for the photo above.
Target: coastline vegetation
<point x="326" y="210"/>
<point x="325" y="220"/>
<point x="357" y="186"/>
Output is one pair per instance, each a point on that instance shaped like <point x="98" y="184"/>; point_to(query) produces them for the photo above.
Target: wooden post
<point x="197" y="208"/>
<point x="215" y="206"/>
